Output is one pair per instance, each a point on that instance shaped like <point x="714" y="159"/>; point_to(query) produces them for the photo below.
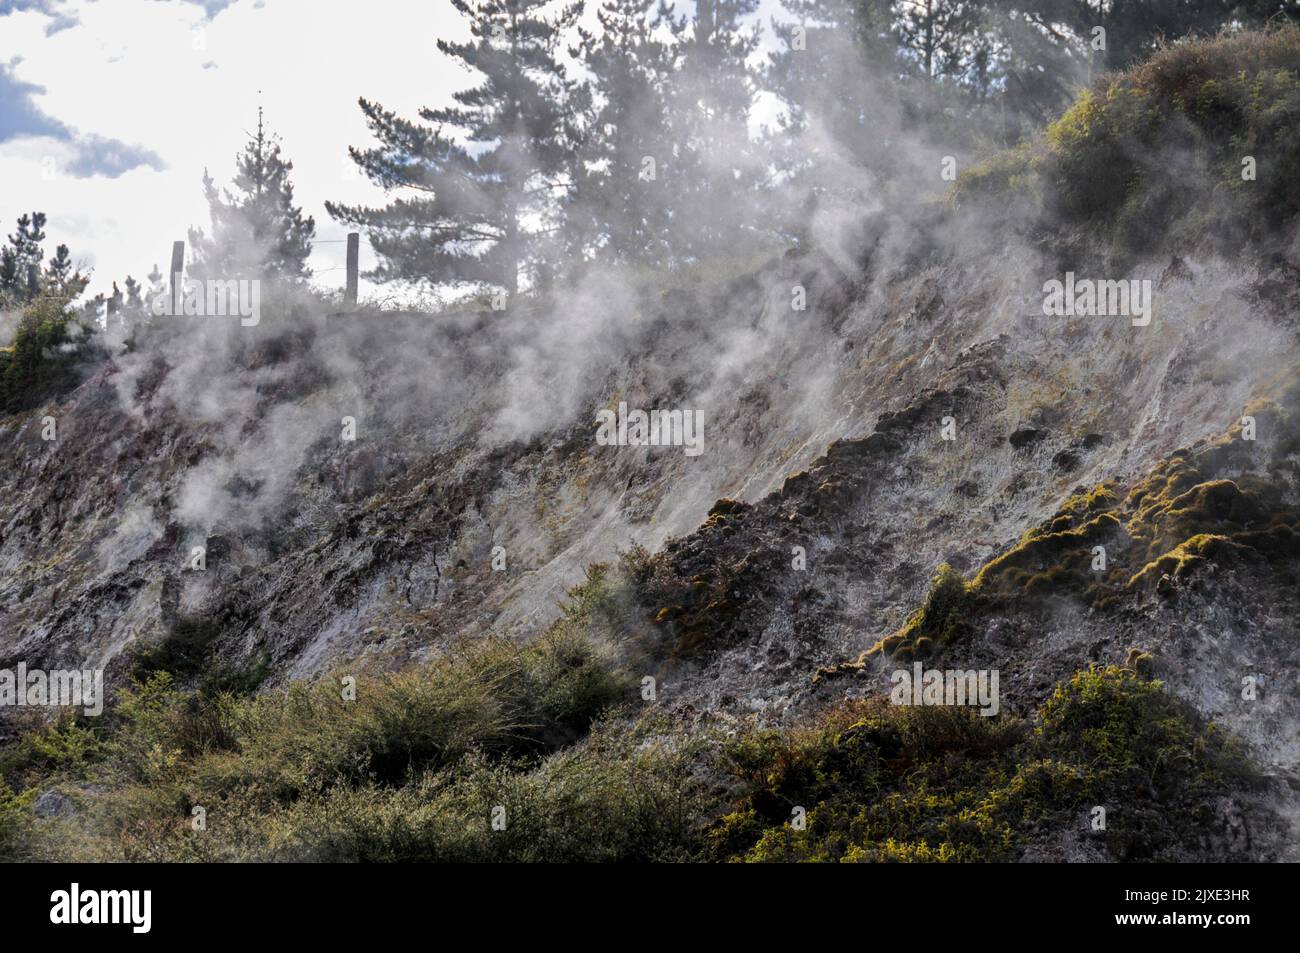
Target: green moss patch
<point x="939" y="620"/>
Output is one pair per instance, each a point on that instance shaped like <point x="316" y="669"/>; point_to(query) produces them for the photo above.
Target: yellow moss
<point x="1101" y="497"/>
<point x="1047" y="559"/>
<point x="1179" y="560"/>
<point x="935" y="622"/>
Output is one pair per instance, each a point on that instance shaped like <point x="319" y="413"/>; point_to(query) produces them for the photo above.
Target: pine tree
<point x="60" y="275"/>
<point x="27" y="240"/>
<point x="482" y="215"/>
<point x="257" y="231"/>
<point x="134" y="302"/>
<point x="114" y="302"/>
<point x="713" y="179"/>
<point x="835" y="70"/>
<point x="23" y="253"/>
<point x="828" y="46"/>
<point x="1133" y="28"/>
<point x="9" y="286"/>
<point x="942" y="36"/>
<point x="92" y="309"/>
<point x="618" y="204"/>
<point x="832" y="66"/>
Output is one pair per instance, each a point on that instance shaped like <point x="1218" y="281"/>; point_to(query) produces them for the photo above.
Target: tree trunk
<point x="929" y="41"/>
<point x="511" y="243"/>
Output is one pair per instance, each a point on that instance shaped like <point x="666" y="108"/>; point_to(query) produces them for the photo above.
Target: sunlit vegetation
<point x="1197" y="142"/>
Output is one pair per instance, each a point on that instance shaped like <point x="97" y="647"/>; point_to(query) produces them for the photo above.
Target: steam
<point x="898" y="286"/>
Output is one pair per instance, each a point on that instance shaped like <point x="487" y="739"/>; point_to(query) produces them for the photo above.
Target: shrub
<point x="886" y="783"/>
<point x="1132" y="733"/>
<point x="15" y="820"/>
<point x="422" y="762"/>
<point x="1158" y="149"/>
<point x="269" y="761"/>
<point x="39" y="360"/>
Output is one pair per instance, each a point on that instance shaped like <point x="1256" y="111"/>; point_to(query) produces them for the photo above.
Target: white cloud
<point x="166" y="77"/>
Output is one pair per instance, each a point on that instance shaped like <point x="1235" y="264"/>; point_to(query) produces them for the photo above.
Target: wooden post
<point x="33" y="282"/>
<point x="354" y="257"/>
<point x="178" y="266"/>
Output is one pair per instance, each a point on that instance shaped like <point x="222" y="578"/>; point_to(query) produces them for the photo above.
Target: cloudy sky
<point x="110" y="110"/>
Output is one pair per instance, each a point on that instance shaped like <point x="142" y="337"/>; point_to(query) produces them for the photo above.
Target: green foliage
<point x="937" y="621"/>
<point x="870" y="775"/>
<point x="1099" y="499"/>
<point x="612" y="213"/>
<point x="1011" y="172"/>
<point x="1130" y="732"/>
<point x="422" y="763"/>
<point x="1196" y="507"/>
<point x="616" y="797"/>
<point x="1157" y="151"/>
<point x="257" y="231"/>
<point x="1054" y="560"/>
<point x="188" y="652"/>
<point x="69" y="744"/>
<point x="480" y="215"/>
<point x="40" y="359"/>
<point x="15" y="820"/>
<point x="886" y="783"/>
<point x="184" y="651"/>
<point x="491" y="718"/>
<point x="22" y="256"/>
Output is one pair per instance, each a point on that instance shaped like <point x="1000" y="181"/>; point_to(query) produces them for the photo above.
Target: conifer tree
<point x="834" y="68"/>
<point x="479" y="183"/>
<point x="257" y="231"/>
<point x="829" y="45"/>
<point x="940" y="36"/>
<point x="59" y="272"/>
<point x="9" y="286"/>
<point x="619" y="204"/>
<point x="23" y="253"/>
<point x="713" y="180"/>
<point x="134" y="302"/>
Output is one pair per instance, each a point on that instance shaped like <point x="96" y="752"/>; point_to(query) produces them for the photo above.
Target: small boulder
<point x="52" y="804"/>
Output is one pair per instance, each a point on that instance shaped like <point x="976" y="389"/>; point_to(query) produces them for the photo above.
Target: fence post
<point x="354" y="256"/>
<point x="178" y="266"/>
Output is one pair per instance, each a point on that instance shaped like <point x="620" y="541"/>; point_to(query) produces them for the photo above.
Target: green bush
<point x="885" y="783"/>
<point x="36" y="364"/>
<point x="1133" y="733"/>
<point x="616" y="797"/>
<point x="937" y="621"/>
<point x="15" y="820"/>
<point x="1157" y="150"/>
<point x="267" y="762"/>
